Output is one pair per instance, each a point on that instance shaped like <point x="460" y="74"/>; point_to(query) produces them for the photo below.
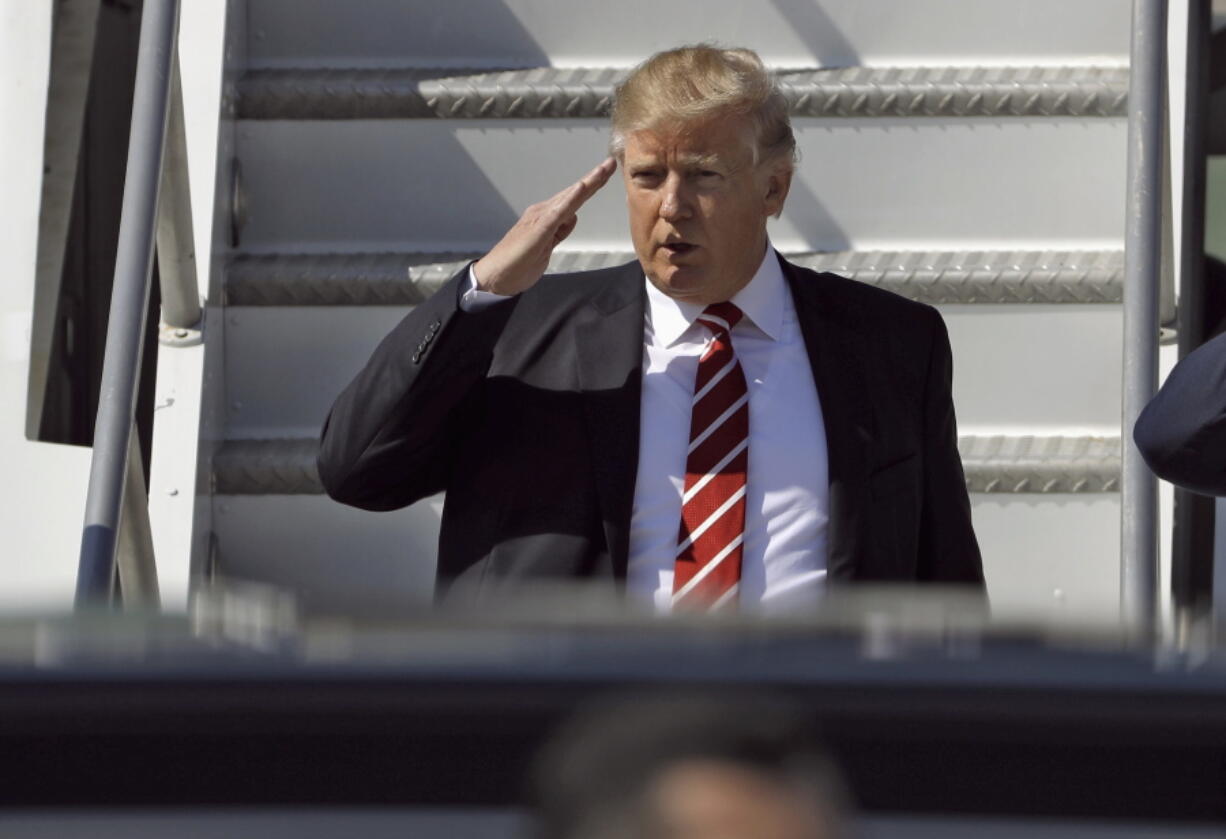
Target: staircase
<point x="968" y="155"/>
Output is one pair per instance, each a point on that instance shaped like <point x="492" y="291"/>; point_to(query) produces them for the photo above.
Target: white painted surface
<point x="829" y="33"/>
<point x="1019" y="369"/>
<point x="1050" y="557"/>
<point x="330" y="557"/>
<point x="1177" y="28"/>
<point x="42" y="498"/>
<point x="285" y="366"/>
<point x="1167" y="357"/>
<point x="1036" y="368"/>
<point x="1046" y="557"/>
<point x="865" y="184"/>
<point x="174" y="484"/>
<point x="173" y="480"/>
<point x="201" y="53"/>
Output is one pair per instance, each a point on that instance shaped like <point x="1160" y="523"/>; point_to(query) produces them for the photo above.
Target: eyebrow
<point x="692" y="161"/>
<point x="701" y="159"/>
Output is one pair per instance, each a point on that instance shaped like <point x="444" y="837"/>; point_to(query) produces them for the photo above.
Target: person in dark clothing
<point x="1182" y="431"/>
<point x="688" y="767"/>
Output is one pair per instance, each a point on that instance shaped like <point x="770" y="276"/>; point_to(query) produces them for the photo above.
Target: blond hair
<point x="695" y="83"/>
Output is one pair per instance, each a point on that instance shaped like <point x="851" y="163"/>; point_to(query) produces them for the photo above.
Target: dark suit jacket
<point x="1182" y="431"/>
<point x="527" y="414"/>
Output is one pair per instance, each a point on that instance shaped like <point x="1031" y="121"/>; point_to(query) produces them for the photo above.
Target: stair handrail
<point x="1143" y="259"/>
<point x="115" y="495"/>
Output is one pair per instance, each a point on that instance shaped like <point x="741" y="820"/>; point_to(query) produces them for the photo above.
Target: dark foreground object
<point x="429" y="715"/>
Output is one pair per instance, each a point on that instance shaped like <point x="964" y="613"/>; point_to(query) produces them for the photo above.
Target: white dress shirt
<point x="784" y="557"/>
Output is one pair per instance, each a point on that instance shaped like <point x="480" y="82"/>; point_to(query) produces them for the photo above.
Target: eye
<point x="645" y="177"/>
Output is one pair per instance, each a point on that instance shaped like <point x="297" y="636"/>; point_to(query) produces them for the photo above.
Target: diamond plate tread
<point x="993" y="464"/>
<point x="1040" y="464"/>
<point x="266" y="467"/>
<point x="393" y="279"/>
<point x="338" y="279"/>
<point x="549" y="92"/>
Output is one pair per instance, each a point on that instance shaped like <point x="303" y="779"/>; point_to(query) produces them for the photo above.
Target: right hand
<point x="521" y="257"/>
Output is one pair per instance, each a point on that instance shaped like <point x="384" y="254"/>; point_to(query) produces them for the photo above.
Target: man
<point x="710" y="426"/>
<point x="688" y="767"/>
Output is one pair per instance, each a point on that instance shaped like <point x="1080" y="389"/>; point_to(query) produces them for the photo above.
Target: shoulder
<point x="581" y="286"/>
<point x="863" y="307"/>
<point x="559" y="304"/>
<point x="558" y="296"/>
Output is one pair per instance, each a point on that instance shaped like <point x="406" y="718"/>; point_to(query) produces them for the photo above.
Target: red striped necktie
<point x="707" y="572"/>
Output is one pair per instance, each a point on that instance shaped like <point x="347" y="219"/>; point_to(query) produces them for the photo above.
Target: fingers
<point x="599" y="176"/>
<point x="522" y="255"/>
<point x="577" y="194"/>
<point x="549" y="214"/>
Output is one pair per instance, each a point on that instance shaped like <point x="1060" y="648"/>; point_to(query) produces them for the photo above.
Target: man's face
<point x="709" y="799"/>
<point x="698" y="206"/>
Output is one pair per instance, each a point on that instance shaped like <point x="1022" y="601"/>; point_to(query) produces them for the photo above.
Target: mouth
<point x="679" y="248"/>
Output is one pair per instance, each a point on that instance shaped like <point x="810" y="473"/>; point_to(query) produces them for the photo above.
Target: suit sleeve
<point x="391" y="436"/>
<point x="1182" y="431"/>
<point x="949" y="551"/>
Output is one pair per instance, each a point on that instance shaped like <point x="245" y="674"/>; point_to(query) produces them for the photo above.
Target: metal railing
<point x="1143" y="260"/>
<point x="117" y="533"/>
<point x="1192" y="573"/>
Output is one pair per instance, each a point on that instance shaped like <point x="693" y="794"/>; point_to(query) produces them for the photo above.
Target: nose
<point x="674" y="203"/>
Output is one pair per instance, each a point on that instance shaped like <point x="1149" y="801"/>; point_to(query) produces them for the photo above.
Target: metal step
<point x="383" y="143"/>
<point x="993" y="464"/>
<point x="577" y="93"/>
<point x="936" y="277"/>
<point x="1040" y="464"/>
<point x="266" y="467"/>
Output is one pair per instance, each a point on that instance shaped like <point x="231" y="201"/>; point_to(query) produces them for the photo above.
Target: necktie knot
<point x="721" y="317"/>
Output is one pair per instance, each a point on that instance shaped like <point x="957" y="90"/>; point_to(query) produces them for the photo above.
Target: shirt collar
<point x="763" y="300"/>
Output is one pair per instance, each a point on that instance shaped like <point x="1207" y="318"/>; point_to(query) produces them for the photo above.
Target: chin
<point x="682" y="291"/>
<point x="681" y="279"/>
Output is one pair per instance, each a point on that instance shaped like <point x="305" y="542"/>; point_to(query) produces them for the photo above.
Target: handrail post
<point x="129" y="302"/>
<point x="176" y="247"/>
<point x="1142" y="271"/>
<point x="138" y="580"/>
<point x="1193" y="578"/>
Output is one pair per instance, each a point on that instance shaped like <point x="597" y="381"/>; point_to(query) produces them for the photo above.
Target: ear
<point x="778" y="182"/>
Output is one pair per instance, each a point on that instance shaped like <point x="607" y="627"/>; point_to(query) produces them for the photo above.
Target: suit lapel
<point x="609" y="337"/>
<point x="833" y="344"/>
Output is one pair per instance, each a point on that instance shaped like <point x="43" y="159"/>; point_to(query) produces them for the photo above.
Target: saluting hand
<point x="521" y="257"/>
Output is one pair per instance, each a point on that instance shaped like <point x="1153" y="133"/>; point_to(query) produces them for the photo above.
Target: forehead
<point x="709" y="797"/>
<point x="729" y="140"/>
